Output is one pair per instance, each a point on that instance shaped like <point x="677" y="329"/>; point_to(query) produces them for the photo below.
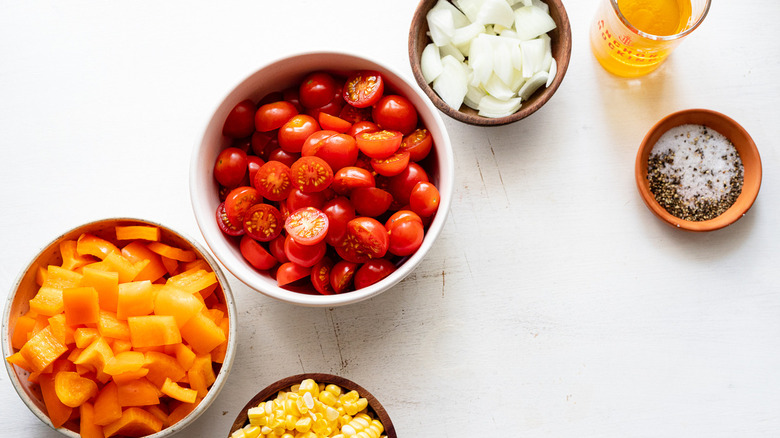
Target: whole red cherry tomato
<point x="295" y="131"/>
<point x="317" y="89"/>
<point x="339" y="211"/>
<point x="372" y="272"/>
<point x="395" y="113"/>
<point x="240" y="122"/>
<point x="424" y="199"/>
<point x="230" y="167"/>
<point x="273" y="115"/>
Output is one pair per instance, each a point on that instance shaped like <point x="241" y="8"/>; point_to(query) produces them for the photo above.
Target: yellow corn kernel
<point x="350" y="397"/>
<point x="362" y="403"/>
<point x="327" y="398"/>
<point x="320" y="426"/>
<point x="288" y="435"/>
<point x="331" y="414"/>
<point x="238" y="434"/>
<point x="303" y="424"/>
<point x="309" y="385"/>
<point x="333" y="389"/>
<point x="338" y="435"/>
<point x="252" y="431"/>
<point x="344" y="419"/>
<point x="257" y="416"/>
<point x="290" y="421"/>
<point x="362" y="434"/>
<point x="351" y="408"/>
<point x="265" y="430"/>
<point x="378" y="426"/>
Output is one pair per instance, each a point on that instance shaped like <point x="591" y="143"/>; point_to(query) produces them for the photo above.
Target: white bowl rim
<point x="245" y="273"/>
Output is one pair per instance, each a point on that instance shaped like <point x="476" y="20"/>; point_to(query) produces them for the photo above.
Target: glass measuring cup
<point x="632" y="49"/>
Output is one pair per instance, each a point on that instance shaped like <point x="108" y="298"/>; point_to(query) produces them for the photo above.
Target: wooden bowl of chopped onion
<point x="698" y="170"/>
<point x="489" y="62"/>
<point x="313" y="403"/>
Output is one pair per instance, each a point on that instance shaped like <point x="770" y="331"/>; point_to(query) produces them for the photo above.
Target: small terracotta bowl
<point x="270" y="392"/>
<point x="25" y="288"/>
<point x="561" y="51"/>
<point x="727" y="127"/>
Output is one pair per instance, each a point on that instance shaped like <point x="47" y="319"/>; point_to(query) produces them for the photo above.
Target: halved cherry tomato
<point x="424" y="199"/>
<point x="227" y="227"/>
<point x="339" y="211"/>
<point x="230" y="167"/>
<point x="263" y="222"/>
<point x="256" y="255"/>
<point x="299" y="199"/>
<point x="364" y="88"/>
<point x="419" y="144"/>
<point x="276" y="247"/>
<point x="379" y="144"/>
<point x="273" y="115"/>
<point x="392" y="165"/>
<point x="320" y="276"/>
<point x="372" y="272"/>
<point x="341" y="275"/>
<point x="359" y="127"/>
<point x="304" y="255"/>
<point x="295" y="131"/>
<point x="333" y="123"/>
<point x="273" y="180"/>
<point x="282" y="156"/>
<point x="307" y="226"/>
<point x="338" y="150"/>
<point x="289" y="272"/>
<point x="405" y="238"/>
<point x="370" y="201"/>
<point x="253" y="164"/>
<point x="401" y="185"/>
<point x="238" y="201"/>
<point x="395" y="113"/>
<point x="240" y="122"/>
<point x="353" y="114"/>
<point x="366" y="239"/>
<point x="317" y="89"/>
<point x="311" y="174"/>
<point x="351" y="177"/>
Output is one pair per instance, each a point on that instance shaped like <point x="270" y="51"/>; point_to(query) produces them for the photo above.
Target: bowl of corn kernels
<point x="313" y="405"/>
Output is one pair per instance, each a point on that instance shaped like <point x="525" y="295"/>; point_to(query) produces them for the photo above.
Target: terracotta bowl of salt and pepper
<point x="698" y="170"/>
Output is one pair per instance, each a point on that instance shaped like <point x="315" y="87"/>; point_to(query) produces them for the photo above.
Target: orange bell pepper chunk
<point x="120" y="345"/>
<point x="202" y="334"/>
<point x="42" y="349"/>
<point x="41" y="274"/>
<point x="134" y="422"/>
<point x="58" y="412"/>
<point x="22" y="328"/>
<point x="129" y="376"/>
<point x="71" y="259"/>
<point x="88" y="244"/>
<point x="80" y="305"/>
<point x="96" y="354"/>
<point x="178" y="303"/>
<point x="127" y="270"/>
<point x="48" y="301"/>
<point x="124" y="362"/>
<point x="61" y="329"/>
<point x="182" y="255"/>
<point x="105" y="282"/>
<point x="138" y="392"/>
<point x="194" y="280"/>
<point x="107" y="407"/>
<point x="109" y="326"/>
<point x="173" y="390"/>
<point x="87" y="426"/>
<point x="19" y="360"/>
<point x="184" y="355"/>
<point x="171" y="265"/>
<point x="158" y="412"/>
<point x="60" y="278"/>
<point x="142" y="232"/>
<point x="136" y="251"/>
<point x="85" y="336"/>
<point x="135" y="298"/>
<point x="162" y="366"/>
<point x="72" y="389"/>
<point x="153" y="330"/>
<point x="201" y="375"/>
<point x="182" y="410"/>
<point x="219" y="352"/>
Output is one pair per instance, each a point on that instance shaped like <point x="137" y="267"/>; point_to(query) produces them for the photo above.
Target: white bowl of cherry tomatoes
<point x="322" y="179"/>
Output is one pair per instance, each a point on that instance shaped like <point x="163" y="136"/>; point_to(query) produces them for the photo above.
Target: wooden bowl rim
<point x="741" y="140"/>
<point x="270" y="391"/>
<point x="562" y="47"/>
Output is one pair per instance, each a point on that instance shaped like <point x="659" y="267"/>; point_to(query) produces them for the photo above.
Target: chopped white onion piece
<point x="473" y="96"/>
<point x="489" y="106"/>
<point x="449" y="49"/>
<point x="470" y="8"/>
<point x="533" y="84"/>
<point x="502" y="58"/>
<point x="533" y="56"/>
<point x="541" y="5"/>
<point x="498" y="89"/>
<point x="463" y="35"/>
<point x="458" y="18"/>
<point x="551" y="74"/>
<point x="531" y="21"/>
<point x="430" y="63"/>
<point x="516" y="81"/>
<point x="481" y="59"/>
<point x="452" y="83"/>
<point x="441" y="26"/>
<point x="496" y="12"/>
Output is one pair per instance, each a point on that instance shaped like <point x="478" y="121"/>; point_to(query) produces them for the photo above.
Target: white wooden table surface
<point x="553" y="305"/>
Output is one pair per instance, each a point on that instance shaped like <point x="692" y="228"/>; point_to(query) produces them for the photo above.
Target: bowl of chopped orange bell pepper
<point x="119" y="327"/>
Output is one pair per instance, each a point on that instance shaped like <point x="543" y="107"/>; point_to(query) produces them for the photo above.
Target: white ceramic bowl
<point x="25" y="288"/>
<point x="276" y="76"/>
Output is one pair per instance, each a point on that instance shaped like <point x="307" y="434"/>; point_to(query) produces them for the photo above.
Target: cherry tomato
<point x="370" y="201"/>
<point x="395" y="113"/>
<point x="317" y="89"/>
<point x="243" y="143"/>
<point x="339" y="211"/>
<point x="231" y="229"/>
<point x="276" y="247"/>
<point x="282" y="156"/>
<point x="289" y="272"/>
<point x="273" y="180"/>
<point x="338" y="150"/>
<point x="308" y="226"/>
<point x="372" y="272"/>
<point x="419" y="144"/>
<point x="295" y="131"/>
<point x="311" y="174"/>
<point x="405" y="238"/>
<point x="291" y="95"/>
<point x="273" y="115"/>
<point x="238" y="202"/>
<point x="253" y="164"/>
<point x="392" y="165"/>
<point x="256" y="255"/>
<point x="304" y="255"/>
<point x="401" y="185"/>
<point x="333" y="108"/>
<point x="351" y="177"/>
<point x="366" y="239"/>
<point x="299" y="199"/>
<point x="401" y="216"/>
<point x="240" y="122"/>
<point x="379" y="144"/>
<point x="333" y="123"/>
<point x="320" y="276"/>
<point x="263" y="222"/>
<point x="364" y="88"/>
<point x="359" y="127"/>
<point x="353" y="114"/>
<point x="424" y="199"/>
<point x="341" y="275"/>
<point x="230" y="167"/>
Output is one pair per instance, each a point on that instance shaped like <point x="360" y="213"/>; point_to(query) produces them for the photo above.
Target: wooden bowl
<point x="283" y="385"/>
<point x="25" y="288"/>
<point x="561" y="51"/>
<point x="744" y="145"/>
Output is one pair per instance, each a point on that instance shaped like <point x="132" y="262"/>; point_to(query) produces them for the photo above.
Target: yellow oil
<point x="626" y="53"/>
